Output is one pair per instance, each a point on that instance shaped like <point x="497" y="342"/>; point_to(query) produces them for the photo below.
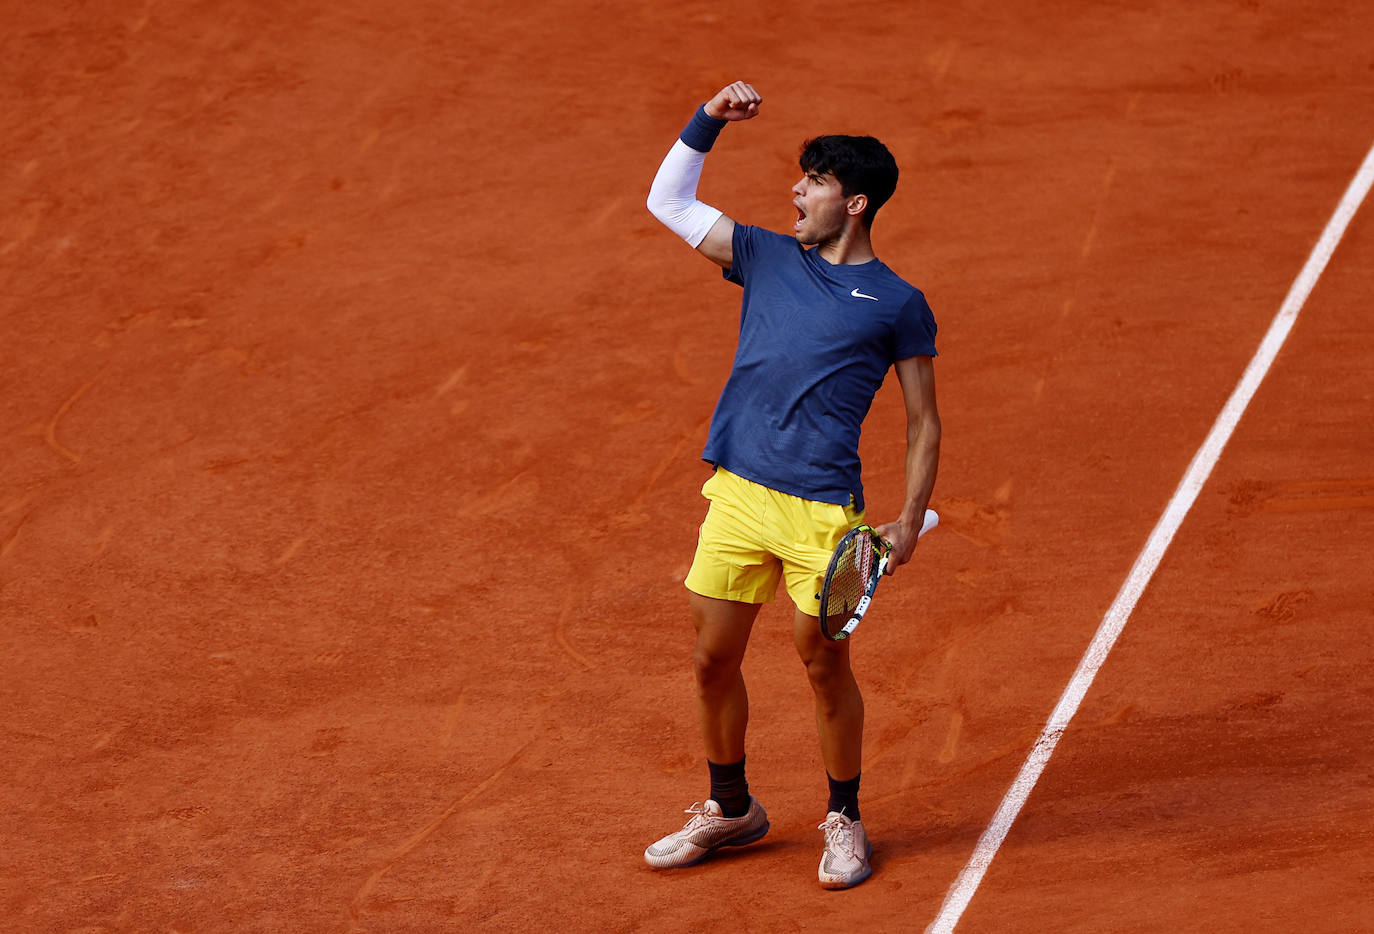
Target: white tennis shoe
<point x="844" y="863"/>
<point x="708" y="829"/>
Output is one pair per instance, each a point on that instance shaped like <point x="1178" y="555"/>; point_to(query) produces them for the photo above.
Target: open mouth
<point x="801" y="216"/>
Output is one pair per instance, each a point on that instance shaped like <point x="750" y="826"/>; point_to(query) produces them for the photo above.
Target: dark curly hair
<point x="861" y="164"/>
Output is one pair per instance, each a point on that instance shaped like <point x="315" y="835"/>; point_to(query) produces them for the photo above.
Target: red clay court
<point x="352" y="405"/>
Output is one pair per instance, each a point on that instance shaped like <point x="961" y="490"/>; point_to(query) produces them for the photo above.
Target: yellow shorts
<point x="753" y="535"/>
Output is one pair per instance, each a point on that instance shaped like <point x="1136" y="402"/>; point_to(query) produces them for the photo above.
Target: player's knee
<point x="713" y="670"/>
<point x="829" y="673"/>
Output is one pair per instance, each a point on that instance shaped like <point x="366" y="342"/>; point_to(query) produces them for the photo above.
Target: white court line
<point x="1148" y="561"/>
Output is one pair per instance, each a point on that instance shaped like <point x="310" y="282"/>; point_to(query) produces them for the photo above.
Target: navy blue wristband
<point x="701" y="131"/>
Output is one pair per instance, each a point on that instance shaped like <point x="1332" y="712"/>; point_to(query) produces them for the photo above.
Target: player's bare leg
<point x="731" y="816"/>
<point x="840" y="721"/>
<point x="723" y="628"/>
<point x="839" y="703"/>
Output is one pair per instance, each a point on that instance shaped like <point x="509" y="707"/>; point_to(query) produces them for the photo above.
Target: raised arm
<point x="673" y="195"/>
<point x="917" y="378"/>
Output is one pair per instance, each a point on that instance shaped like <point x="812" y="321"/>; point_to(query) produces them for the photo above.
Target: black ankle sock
<point x="729" y="788"/>
<point x="844" y="797"/>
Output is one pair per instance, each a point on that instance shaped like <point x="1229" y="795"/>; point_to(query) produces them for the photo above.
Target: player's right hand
<point x="738" y="101"/>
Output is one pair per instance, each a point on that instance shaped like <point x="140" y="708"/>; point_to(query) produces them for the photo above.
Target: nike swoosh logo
<point x="857" y="294"/>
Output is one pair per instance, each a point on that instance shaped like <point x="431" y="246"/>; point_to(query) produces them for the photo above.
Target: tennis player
<point x="822" y="322"/>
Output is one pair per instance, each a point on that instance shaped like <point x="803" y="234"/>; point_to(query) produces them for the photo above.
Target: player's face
<point x="821" y="208"/>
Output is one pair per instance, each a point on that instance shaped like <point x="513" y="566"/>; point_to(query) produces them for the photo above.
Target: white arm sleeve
<point x="673" y="195"/>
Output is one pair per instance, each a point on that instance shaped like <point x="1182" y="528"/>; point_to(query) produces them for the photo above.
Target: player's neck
<point x="851" y="248"/>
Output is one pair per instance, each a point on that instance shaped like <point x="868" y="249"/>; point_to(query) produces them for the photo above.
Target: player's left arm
<point x="916" y="375"/>
<point x="673" y="195"/>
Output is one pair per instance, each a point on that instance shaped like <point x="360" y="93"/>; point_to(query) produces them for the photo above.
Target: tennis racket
<point x="859" y="561"/>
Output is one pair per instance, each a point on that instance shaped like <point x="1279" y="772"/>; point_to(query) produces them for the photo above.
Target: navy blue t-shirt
<point x="815" y="342"/>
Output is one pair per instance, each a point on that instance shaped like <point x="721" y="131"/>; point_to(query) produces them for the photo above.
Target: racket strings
<point x="853" y="571"/>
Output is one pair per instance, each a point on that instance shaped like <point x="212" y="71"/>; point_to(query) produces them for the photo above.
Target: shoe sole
<point x="746" y="840"/>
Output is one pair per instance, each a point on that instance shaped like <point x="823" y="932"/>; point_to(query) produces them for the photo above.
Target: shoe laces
<point x="699" y="816"/>
<point x="839" y="834"/>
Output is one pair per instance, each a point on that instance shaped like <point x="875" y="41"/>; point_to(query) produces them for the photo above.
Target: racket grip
<point x="932" y="519"/>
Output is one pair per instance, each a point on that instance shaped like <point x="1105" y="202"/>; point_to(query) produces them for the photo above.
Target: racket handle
<point x="932" y="519"/>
